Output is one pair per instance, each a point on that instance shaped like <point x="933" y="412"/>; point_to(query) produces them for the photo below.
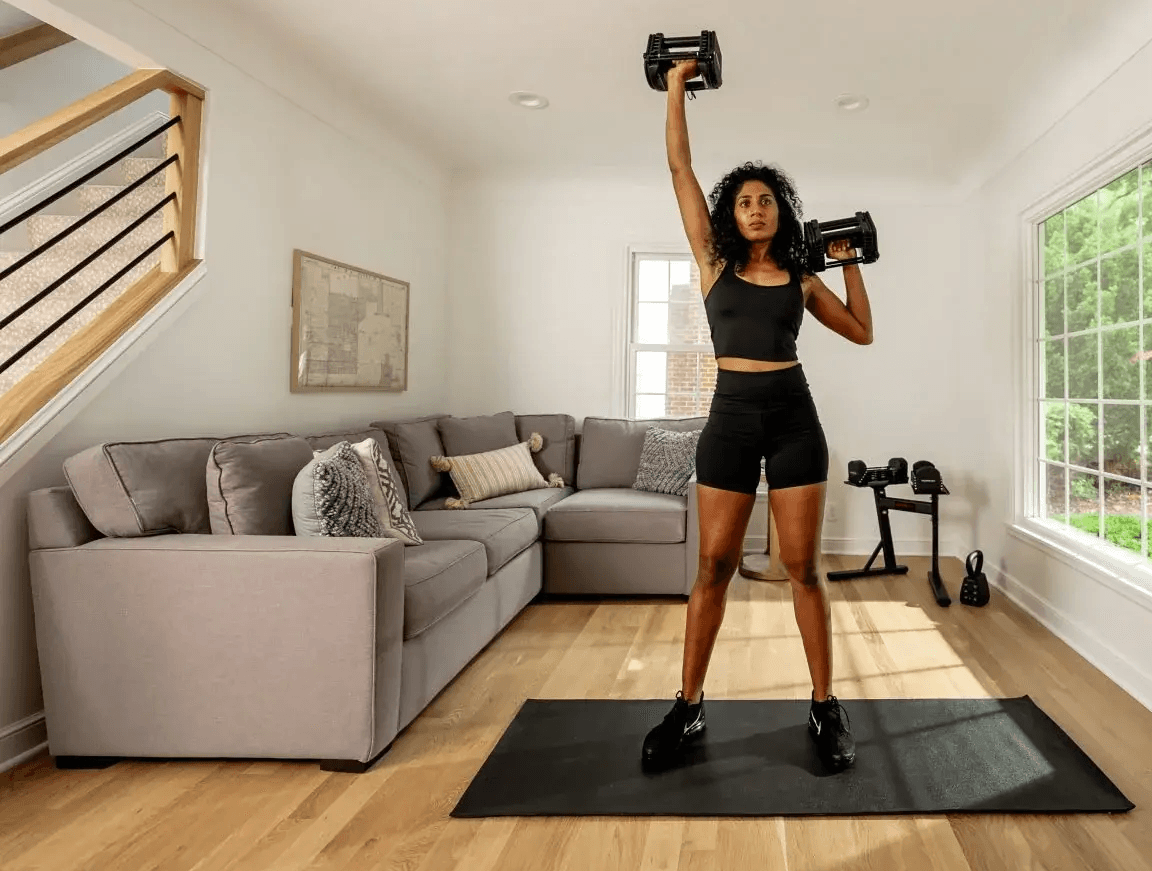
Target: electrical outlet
<point x="830" y="512"/>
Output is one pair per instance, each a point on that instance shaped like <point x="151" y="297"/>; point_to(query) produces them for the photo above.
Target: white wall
<point x="41" y="85"/>
<point x="538" y="279"/>
<point x="1100" y="612"/>
<point x="309" y="174"/>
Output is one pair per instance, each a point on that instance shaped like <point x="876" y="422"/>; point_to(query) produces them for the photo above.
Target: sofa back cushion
<point x="610" y="448"/>
<point x="412" y="443"/>
<point x="55" y="519"/>
<point x="558" y="456"/>
<point x="249" y="482"/>
<point x="130" y="489"/>
<point x="463" y="436"/>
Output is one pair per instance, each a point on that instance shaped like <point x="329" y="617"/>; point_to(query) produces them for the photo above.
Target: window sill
<point x="1131" y="577"/>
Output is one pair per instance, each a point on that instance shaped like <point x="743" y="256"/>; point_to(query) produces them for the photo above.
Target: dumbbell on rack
<point x="896" y="472"/>
<point x="926" y="480"/>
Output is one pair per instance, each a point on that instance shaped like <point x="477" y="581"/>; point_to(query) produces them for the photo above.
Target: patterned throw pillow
<point x="667" y="461"/>
<point x="330" y="497"/>
<point x="495" y="473"/>
<point x="390" y="510"/>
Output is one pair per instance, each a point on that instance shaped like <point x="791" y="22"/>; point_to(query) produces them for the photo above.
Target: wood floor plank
<point x="890" y="639"/>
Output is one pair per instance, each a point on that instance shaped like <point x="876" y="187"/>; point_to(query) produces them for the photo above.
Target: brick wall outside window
<point x="690" y="375"/>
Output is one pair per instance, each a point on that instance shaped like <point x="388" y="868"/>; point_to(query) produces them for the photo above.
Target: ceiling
<point x="955" y="89"/>
<point x="12" y="20"/>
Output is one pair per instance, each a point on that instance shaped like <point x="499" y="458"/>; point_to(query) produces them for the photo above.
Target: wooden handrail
<point x="43" y="134"/>
<point x="31" y="41"/>
<point x="177" y="257"/>
<point x="40" y="386"/>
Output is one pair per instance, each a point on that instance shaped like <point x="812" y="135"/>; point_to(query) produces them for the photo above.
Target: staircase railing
<point x="176" y="247"/>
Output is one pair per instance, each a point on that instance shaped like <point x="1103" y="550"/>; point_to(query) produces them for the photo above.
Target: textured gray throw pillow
<point x="331" y="497"/>
<point x="667" y="461"/>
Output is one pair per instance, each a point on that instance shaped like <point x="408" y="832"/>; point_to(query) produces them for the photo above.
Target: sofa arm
<point x="691" y="538"/>
<point x="221" y="646"/>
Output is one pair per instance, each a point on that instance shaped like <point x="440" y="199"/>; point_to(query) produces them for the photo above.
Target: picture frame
<point x="349" y="327"/>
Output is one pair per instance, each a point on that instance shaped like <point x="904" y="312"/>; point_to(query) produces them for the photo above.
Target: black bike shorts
<point x="762" y="415"/>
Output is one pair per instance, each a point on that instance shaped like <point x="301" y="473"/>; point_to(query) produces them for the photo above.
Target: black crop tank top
<point x="754" y="321"/>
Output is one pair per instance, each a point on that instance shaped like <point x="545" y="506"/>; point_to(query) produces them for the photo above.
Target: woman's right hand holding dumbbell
<point x="682" y="71"/>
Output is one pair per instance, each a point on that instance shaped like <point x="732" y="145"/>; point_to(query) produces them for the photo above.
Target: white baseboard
<point x="1133" y="680"/>
<point x="11" y="735"/>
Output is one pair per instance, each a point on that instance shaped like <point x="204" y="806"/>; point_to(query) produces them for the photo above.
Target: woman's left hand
<point x="840" y="249"/>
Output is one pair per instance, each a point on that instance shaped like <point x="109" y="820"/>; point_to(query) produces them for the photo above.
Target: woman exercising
<point x="756" y="287"/>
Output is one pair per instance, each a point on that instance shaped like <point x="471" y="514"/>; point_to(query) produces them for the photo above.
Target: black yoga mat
<point x="913" y="756"/>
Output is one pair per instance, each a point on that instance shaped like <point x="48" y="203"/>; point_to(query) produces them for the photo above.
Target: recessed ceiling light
<point x="528" y="100"/>
<point x="852" y="102"/>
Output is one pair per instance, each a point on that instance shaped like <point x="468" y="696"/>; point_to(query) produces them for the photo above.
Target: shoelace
<point x="671" y="715"/>
<point x="841" y="714"/>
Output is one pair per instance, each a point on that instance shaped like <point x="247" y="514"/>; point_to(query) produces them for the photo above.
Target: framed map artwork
<point x="349" y="327"/>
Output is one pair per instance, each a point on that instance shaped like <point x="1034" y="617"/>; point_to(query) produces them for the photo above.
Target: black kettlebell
<point x="974" y="589"/>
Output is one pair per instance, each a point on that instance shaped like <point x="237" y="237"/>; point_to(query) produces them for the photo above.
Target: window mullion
<point x="1101" y="514"/>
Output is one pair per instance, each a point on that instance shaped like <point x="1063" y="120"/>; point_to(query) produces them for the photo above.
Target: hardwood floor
<point x="891" y="639"/>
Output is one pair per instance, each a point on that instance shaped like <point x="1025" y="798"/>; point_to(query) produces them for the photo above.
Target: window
<point x="1094" y="341"/>
<point x="671" y="370"/>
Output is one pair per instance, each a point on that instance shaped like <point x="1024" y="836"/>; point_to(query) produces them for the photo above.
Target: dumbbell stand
<point x="884" y="504"/>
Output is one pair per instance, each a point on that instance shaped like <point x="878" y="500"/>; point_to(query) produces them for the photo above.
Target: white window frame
<point x="627" y="387"/>
<point x="1127" y="572"/>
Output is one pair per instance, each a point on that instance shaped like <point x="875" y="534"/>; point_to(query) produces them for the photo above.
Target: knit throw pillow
<point x="330" y="497"/>
<point x="495" y="473"/>
<point x="667" y="461"/>
<point x="390" y="509"/>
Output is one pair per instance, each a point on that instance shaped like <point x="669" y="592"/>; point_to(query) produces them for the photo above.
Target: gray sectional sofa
<point x="178" y="616"/>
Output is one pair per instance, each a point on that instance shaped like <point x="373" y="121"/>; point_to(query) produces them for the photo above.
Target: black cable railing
<point x="87" y="261"/>
<point x="103" y="249"/>
<point x="59" y="322"/>
<point x="88" y="176"/>
<point x="95" y="213"/>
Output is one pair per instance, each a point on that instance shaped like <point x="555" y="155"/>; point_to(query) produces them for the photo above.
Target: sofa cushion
<point x="477" y="435"/>
<point x="610" y="448"/>
<point x="558" y="456"/>
<point x="143" y="488"/>
<point x="618" y="514"/>
<point x="538" y="500"/>
<point x="330" y="497"/>
<point x="504" y="532"/>
<point x="249" y="481"/>
<point x="439" y="576"/>
<point x="354" y="437"/>
<point x="412" y="443"/>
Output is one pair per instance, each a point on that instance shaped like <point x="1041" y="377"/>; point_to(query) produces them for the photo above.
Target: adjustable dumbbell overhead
<point x="663" y="52"/>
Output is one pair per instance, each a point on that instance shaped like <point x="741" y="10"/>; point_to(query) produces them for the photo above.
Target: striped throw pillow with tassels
<point x="495" y="473"/>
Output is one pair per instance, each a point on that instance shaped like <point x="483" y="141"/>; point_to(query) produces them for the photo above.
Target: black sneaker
<point x="683" y="723"/>
<point x="834" y="743"/>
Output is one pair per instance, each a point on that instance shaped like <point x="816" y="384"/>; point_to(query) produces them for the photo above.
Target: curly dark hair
<point x="728" y="245"/>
